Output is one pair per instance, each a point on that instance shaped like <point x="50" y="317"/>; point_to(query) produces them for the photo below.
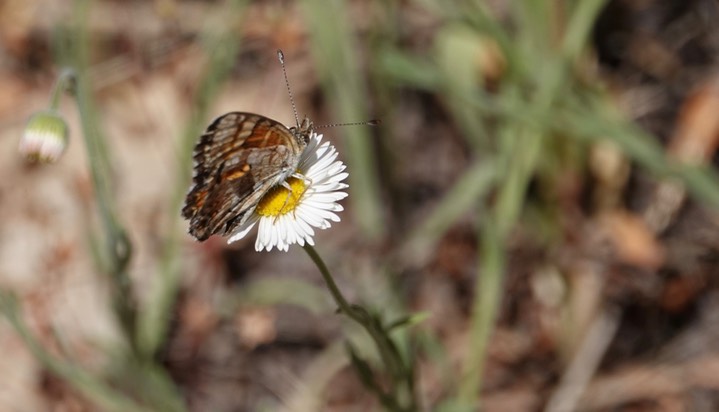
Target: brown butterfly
<point x="239" y="158"/>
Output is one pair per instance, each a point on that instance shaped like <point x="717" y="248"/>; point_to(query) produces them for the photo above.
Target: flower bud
<point x="45" y="137"/>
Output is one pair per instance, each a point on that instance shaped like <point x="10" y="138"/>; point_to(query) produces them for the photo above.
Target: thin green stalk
<point x="115" y="249"/>
<point x="87" y="384"/>
<point x="338" y="65"/>
<point x="117" y="246"/>
<point x="487" y="294"/>
<point x="579" y="28"/>
<point x="402" y="396"/>
<point x="463" y="196"/>
<point x="334" y="290"/>
<point x="355" y="313"/>
<point x="519" y="166"/>
<point x="155" y="322"/>
<point x="598" y="121"/>
<point x="65" y="82"/>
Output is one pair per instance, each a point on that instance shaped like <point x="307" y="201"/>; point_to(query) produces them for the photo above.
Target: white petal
<point x="242" y="231"/>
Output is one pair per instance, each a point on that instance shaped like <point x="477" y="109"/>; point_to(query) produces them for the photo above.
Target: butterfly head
<point x="303" y="132"/>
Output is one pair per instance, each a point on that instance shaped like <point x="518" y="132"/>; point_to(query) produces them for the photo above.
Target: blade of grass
<point x="579" y="28"/>
<point x="223" y="49"/>
<point x="458" y="49"/>
<point x="335" y="54"/>
<point x="702" y="182"/>
<point x="90" y="386"/>
<point x="466" y="193"/>
<point x="519" y="166"/>
<point x="117" y="248"/>
<point x="487" y="294"/>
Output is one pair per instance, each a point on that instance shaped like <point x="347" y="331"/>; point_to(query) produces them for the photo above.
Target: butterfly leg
<point x="306" y="180"/>
<point x="303" y="178"/>
<point x="287" y="199"/>
<point x="287" y="186"/>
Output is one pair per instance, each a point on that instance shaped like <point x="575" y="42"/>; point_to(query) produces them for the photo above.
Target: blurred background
<point x="540" y="197"/>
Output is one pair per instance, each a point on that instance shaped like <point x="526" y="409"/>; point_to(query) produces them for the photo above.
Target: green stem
<point x="402" y="376"/>
<point x="118" y="249"/>
<point x="484" y="312"/>
<point x="65" y="82"/>
<point x="520" y="166"/>
<point x="155" y="320"/>
<point x="329" y="30"/>
<point x="334" y="290"/>
<point x="88" y="385"/>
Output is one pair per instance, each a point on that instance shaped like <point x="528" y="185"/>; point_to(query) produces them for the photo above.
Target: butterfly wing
<point x="237" y="160"/>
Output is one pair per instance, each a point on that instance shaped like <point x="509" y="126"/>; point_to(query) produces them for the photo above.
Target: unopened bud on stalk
<point x="45" y="137"/>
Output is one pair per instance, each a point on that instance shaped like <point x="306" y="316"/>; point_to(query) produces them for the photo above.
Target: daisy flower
<point x="285" y="218"/>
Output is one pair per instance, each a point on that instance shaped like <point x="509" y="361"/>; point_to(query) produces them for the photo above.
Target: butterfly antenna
<point x="281" y="57"/>
<point x="373" y="122"/>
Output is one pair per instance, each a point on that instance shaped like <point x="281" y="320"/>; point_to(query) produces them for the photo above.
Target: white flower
<point x="287" y="218"/>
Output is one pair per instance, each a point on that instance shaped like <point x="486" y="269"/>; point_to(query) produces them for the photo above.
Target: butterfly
<point x="239" y="158"/>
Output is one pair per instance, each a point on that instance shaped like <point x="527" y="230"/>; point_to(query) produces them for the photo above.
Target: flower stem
<point x="65" y="82"/>
<point x="334" y="290"/>
<point x="116" y="247"/>
<point x="402" y="387"/>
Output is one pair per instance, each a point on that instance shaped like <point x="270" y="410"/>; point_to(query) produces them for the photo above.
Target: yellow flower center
<point x="279" y="200"/>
